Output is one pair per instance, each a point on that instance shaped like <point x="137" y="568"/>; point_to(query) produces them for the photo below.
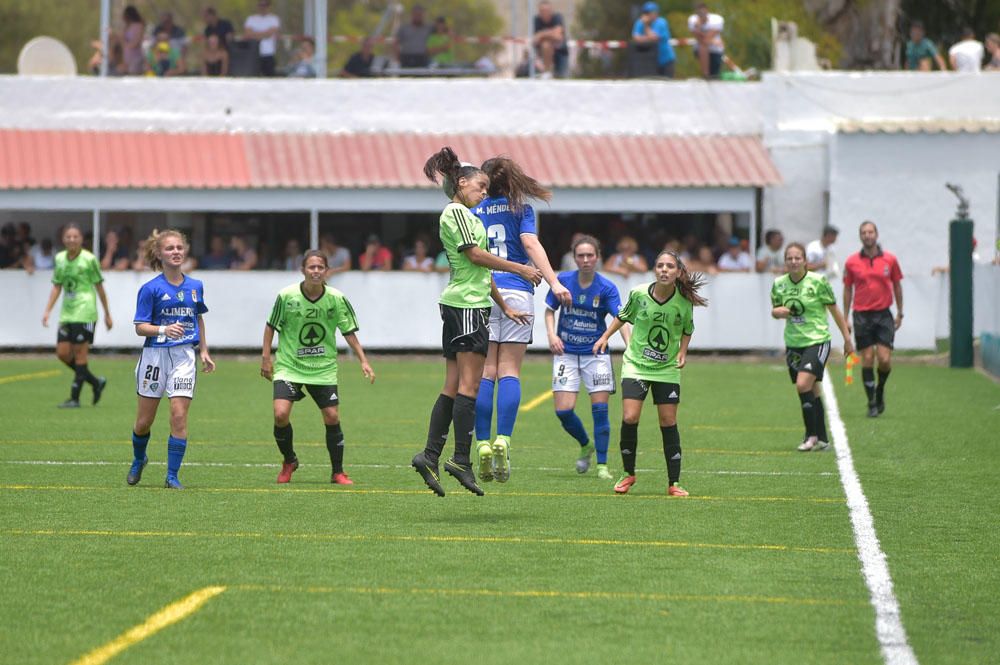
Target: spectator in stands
<point x="164" y="59"/>
<point x="549" y="40"/>
<point x="626" y="260"/>
<point x="359" y="65"/>
<point x="419" y="261"/>
<point x="132" y="36"/>
<point x="303" y="66"/>
<point x="175" y="33"/>
<point x="967" y="55"/>
<point x="117" y="250"/>
<point x="770" y="257"/>
<point x="219" y="27"/>
<point x="42" y="256"/>
<point x="735" y="259"/>
<point x="441" y="44"/>
<point x="116" y="65"/>
<point x="568" y="262"/>
<point x="376" y="257"/>
<point x="218" y="257"/>
<point x="244" y="256"/>
<point x="921" y="52"/>
<point x="410" y="47"/>
<point x="12" y="253"/>
<point x="264" y="27"/>
<point x="703" y="261"/>
<point x="293" y="256"/>
<point x="993" y="48"/>
<point x="652" y="29"/>
<point x="214" y="57"/>
<point x="338" y="259"/>
<point x="706" y="28"/>
<point x="819" y="254"/>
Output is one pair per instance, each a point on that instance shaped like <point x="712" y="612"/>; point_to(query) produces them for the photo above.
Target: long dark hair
<point x="446" y="163"/>
<point x="688" y="283"/>
<point x="317" y="254"/>
<point x="132" y="15"/>
<point x="509" y="180"/>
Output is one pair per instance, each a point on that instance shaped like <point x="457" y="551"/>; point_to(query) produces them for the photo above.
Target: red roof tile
<point x="61" y="159"/>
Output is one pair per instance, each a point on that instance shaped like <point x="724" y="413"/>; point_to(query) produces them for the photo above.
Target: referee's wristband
<point x="162" y="331"/>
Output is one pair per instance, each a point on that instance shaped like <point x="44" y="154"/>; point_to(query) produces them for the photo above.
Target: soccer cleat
<point x="287" y="469"/>
<point x="624" y="484"/>
<point x="484" y="453"/>
<point x="873" y="411"/>
<point x="429" y="472"/>
<point x="70" y="404"/>
<point x="341" y="479"/>
<point x="171" y="483"/>
<point x="880" y="406"/>
<point x="676" y="490"/>
<point x="809" y="444"/>
<point x="820" y="446"/>
<point x="583" y="461"/>
<point x="135" y="473"/>
<point x="463" y="474"/>
<point x="99" y="388"/>
<point x="603" y="473"/>
<point x="501" y="460"/>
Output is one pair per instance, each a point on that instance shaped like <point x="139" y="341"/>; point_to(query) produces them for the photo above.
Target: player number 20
<point x="152" y="373"/>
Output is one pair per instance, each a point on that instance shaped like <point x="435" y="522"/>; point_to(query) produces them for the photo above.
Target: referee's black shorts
<point x="465" y="330"/>
<point x="876" y="327"/>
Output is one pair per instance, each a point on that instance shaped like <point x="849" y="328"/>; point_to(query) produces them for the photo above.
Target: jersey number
<point x="152" y="373"/>
<point x="497" y="235"/>
<point x="562" y="368"/>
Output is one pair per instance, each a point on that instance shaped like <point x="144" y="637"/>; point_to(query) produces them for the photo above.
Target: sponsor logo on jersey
<point x="311" y="351"/>
<point x="602" y="379"/>
<point x="180" y="296"/>
<point x="185" y="383"/>
<point x="562" y="380"/>
<point x="333" y="396"/>
<point x="194" y="295"/>
<point x="166" y="296"/>
<point x="673" y="395"/>
<point x="597" y="302"/>
<point x="582" y="298"/>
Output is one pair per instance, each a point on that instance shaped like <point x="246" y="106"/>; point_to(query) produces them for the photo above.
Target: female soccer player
<point x="802" y="298"/>
<point x="510" y="228"/>
<point x="169" y="314"/>
<point x="79" y="273"/>
<point x="464" y="305"/>
<point x="306" y="317"/>
<point x="580" y="325"/>
<point x="662" y="325"/>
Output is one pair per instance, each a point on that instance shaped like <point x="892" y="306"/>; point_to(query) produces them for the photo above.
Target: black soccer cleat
<point x="69" y="404"/>
<point x="880" y="406"/>
<point x="464" y="475"/>
<point x="99" y="388"/>
<point x="873" y="411"/>
<point x="429" y="472"/>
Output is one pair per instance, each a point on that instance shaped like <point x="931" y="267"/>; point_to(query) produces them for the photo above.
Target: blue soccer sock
<point x="602" y="431"/>
<point x="484" y="409"/>
<point x="508" y="401"/>
<point x="175" y="454"/>
<point x="139" y="443"/>
<point x="572" y="424"/>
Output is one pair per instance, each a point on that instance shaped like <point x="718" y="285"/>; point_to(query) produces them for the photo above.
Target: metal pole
<point x="96" y="223"/>
<point x="960" y="277"/>
<point x="308" y="18"/>
<point x="314" y="229"/>
<point x="105" y="35"/>
<point x="514" y="62"/>
<point x="319" y="18"/>
<point x="531" y="35"/>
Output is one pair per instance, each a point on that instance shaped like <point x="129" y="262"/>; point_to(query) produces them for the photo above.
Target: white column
<point x="96" y="217"/>
<point x="105" y="26"/>
<point x="530" y="36"/>
<point x="314" y="229"/>
<point x="319" y="23"/>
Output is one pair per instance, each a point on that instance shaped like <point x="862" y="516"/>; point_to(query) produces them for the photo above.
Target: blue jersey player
<point x="168" y="314"/>
<point x="581" y="324"/>
<point x="510" y="229"/>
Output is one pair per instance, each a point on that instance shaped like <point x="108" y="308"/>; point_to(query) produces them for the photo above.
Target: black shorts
<point x="810" y="359"/>
<point x="872" y="328"/>
<point x="77" y="333"/>
<point x="465" y="330"/>
<point x="324" y="396"/>
<point x="663" y="393"/>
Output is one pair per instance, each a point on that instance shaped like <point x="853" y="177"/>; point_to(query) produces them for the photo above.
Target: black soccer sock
<point x="868" y="378"/>
<point x="437" y="432"/>
<point x="672" y="452"/>
<point x="78" y="381"/>
<point x="71" y="363"/>
<point x="87" y="376"/>
<point x="283" y="437"/>
<point x="821" y="432"/>
<point x="464" y="417"/>
<point x="808" y="412"/>
<point x="335" y="446"/>
<point x="628" y="442"/>
<point x="883" y="376"/>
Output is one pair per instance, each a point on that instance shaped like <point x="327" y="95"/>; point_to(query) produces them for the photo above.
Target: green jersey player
<point x="803" y="299"/>
<point x="306" y="317"/>
<point x="662" y="321"/>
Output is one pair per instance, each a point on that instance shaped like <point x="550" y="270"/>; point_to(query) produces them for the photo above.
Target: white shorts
<point x="171" y="370"/>
<point x="503" y="329"/>
<point x="597" y="371"/>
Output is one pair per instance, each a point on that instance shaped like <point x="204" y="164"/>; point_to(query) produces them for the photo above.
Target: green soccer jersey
<point x="307" y="334"/>
<point x="807" y="301"/>
<point x="77" y="278"/>
<point x="469" y="284"/>
<point x="657" y="329"/>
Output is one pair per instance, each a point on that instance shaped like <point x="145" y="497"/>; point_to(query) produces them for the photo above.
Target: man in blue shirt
<point x="651" y="28"/>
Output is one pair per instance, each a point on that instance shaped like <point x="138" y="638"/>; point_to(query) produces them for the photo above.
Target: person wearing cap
<point x="651" y="28"/>
<point x="164" y="59"/>
<point x="819" y="254"/>
<point x="735" y="259"/>
<point x="377" y="256"/>
<point x="706" y="28"/>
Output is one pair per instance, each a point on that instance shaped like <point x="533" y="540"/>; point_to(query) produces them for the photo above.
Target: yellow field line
<point x="27" y="377"/>
<point x="537" y="401"/>
<point x="502" y="540"/>
<point x="167" y="616"/>
<point x="543" y="593"/>
<point x="340" y="490"/>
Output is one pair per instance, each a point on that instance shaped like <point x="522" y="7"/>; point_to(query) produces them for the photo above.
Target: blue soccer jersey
<point x="161" y="303"/>
<point x="582" y="323"/>
<point x="504" y="229"/>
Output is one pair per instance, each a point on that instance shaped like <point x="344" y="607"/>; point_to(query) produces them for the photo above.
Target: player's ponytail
<point x="688" y="283"/>
<point x="446" y="163"/>
<point x="509" y="180"/>
<point x="151" y="246"/>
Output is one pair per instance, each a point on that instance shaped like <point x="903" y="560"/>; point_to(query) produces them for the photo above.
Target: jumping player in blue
<point x="510" y="228"/>
<point x="168" y="314"/>
<point x="581" y="324"/>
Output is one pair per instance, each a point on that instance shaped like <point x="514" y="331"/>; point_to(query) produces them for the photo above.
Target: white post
<point x="105" y="34"/>
<point x="96" y="217"/>
<point x="319" y="23"/>
<point x="753" y="228"/>
<point x="531" y="36"/>
<point x="314" y="229"/>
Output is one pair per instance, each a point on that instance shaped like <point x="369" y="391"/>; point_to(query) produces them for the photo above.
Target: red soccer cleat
<point x="676" y="490"/>
<point x="341" y="479"/>
<point x="624" y="484"/>
<point x="287" y="469"/>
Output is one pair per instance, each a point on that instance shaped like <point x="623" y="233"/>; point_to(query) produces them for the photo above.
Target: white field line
<point x="889" y="628"/>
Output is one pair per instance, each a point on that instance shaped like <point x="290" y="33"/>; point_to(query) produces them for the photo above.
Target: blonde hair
<point x="151" y="246"/>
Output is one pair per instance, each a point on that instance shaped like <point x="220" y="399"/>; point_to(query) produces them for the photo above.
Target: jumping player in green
<point x="662" y="321"/>
<point x="78" y="277"/>
<point x="306" y="317"/>
<point x="803" y="298"/>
